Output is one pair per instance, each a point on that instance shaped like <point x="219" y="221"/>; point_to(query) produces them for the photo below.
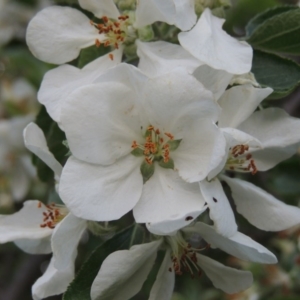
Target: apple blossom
<point x="123" y="268"/>
<point x="142" y="142"/>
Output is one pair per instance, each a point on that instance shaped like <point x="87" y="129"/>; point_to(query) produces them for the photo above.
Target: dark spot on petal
<point x="189" y="218"/>
<point x="215" y="200"/>
<point x="205" y="203"/>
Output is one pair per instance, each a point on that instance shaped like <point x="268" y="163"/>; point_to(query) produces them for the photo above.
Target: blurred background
<point x="20" y="77"/>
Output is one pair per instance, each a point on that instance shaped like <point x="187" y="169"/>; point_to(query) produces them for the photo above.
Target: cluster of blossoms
<point x="156" y="139"/>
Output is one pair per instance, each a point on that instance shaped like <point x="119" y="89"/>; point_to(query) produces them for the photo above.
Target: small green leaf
<point x="167" y="165"/>
<point x="80" y="288"/>
<point x="281" y="74"/>
<point x="174" y="144"/>
<point x="262" y="17"/>
<point x="147" y="170"/>
<point x="279" y="33"/>
<point x="137" y="152"/>
<point x="91" y="53"/>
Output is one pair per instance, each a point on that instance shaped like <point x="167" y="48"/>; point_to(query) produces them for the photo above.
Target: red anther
<point x="106" y="43"/>
<point x="150" y="128"/>
<point x="39" y="204"/>
<point x="248" y="156"/>
<point x="148" y="160"/>
<point x="117" y="24"/>
<point x="45" y="214"/>
<point x="105" y="19"/>
<point x="161" y="140"/>
<point x="170" y="269"/>
<point x="169" y="135"/>
<point x="97" y="43"/>
<point x="116" y="45"/>
<point x="43" y="225"/>
<point x="231" y="168"/>
<point x="134" y="145"/>
<point x="157" y="131"/>
<point x="111" y="56"/>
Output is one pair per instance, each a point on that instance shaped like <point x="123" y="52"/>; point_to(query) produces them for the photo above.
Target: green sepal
<point x="147" y="170"/>
<point x="137" y="152"/>
<point x="167" y="165"/>
<point x="174" y="144"/>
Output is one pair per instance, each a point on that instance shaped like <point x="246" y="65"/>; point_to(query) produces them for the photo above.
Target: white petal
<point x="214" y="80"/>
<point x="100" y="193"/>
<point x="39" y="246"/>
<point x="239" y="102"/>
<point x="208" y="42"/>
<point x="101" y="128"/>
<point x="157" y="58"/>
<point x="174" y="100"/>
<point x="150" y="11"/>
<point x="162" y="203"/>
<point x="229" y="280"/>
<point x="123" y="273"/>
<point x="202" y="149"/>
<point x="24" y="224"/>
<point x="58" y="83"/>
<point x="276" y="127"/>
<point x="268" y="158"/>
<point x="101" y="8"/>
<point x="65" y="239"/>
<point x="35" y="141"/>
<point x="219" y="208"/>
<point x="52" y="282"/>
<point x="165" y="280"/>
<point x="260" y="208"/>
<point x="57" y="34"/>
<point x="185" y="14"/>
<point x="238" y="245"/>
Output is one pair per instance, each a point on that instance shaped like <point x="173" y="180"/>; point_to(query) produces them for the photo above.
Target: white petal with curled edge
<point x="101" y="128"/>
<point x="168" y="202"/>
<point x="52" y="282"/>
<point x="202" y="149"/>
<point x="35" y="141"/>
<point x="100" y="8"/>
<point x="276" y="127"/>
<point x="214" y="80"/>
<point x="150" y="11"/>
<point x="123" y="273"/>
<point x="157" y="58"/>
<point x="208" y="42"/>
<point x="227" y="279"/>
<point x="176" y="99"/>
<point x="39" y="246"/>
<point x="260" y="208"/>
<point x="58" y="83"/>
<point x="238" y="245"/>
<point x="69" y="32"/>
<point x="239" y="102"/>
<point x="220" y="210"/>
<point x="99" y="193"/>
<point x="185" y="14"/>
<point x="24" y="224"/>
<point x="65" y="239"/>
<point x="165" y="280"/>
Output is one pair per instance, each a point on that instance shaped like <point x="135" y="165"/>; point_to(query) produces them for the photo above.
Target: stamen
<point x="54" y="214"/>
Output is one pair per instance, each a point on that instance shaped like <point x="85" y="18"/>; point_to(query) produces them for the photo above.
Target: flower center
<point x="183" y="256"/>
<point x="114" y="32"/>
<point x="239" y="160"/>
<point x="53" y="215"/>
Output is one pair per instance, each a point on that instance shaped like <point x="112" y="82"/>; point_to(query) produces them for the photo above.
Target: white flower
<point x="161" y="127"/>
<point x="123" y="273"/>
<point x="210" y="44"/>
<point x="16" y="168"/>
<point x="256" y="141"/>
<point x="46" y="229"/>
<point x="57" y="34"/>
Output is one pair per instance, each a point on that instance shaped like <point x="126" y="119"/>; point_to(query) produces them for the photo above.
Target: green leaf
<point x="281" y="74"/>
<point x="167" y="165"/>
<point x="147" y="170"/>
<point x="262" y="17"/>
<point x="80" y="288"/>
<point x="91" y="53"/>
<point x="279" y="33"/>
<point x="137" y="152"/>
<point x="174" y="144"/>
